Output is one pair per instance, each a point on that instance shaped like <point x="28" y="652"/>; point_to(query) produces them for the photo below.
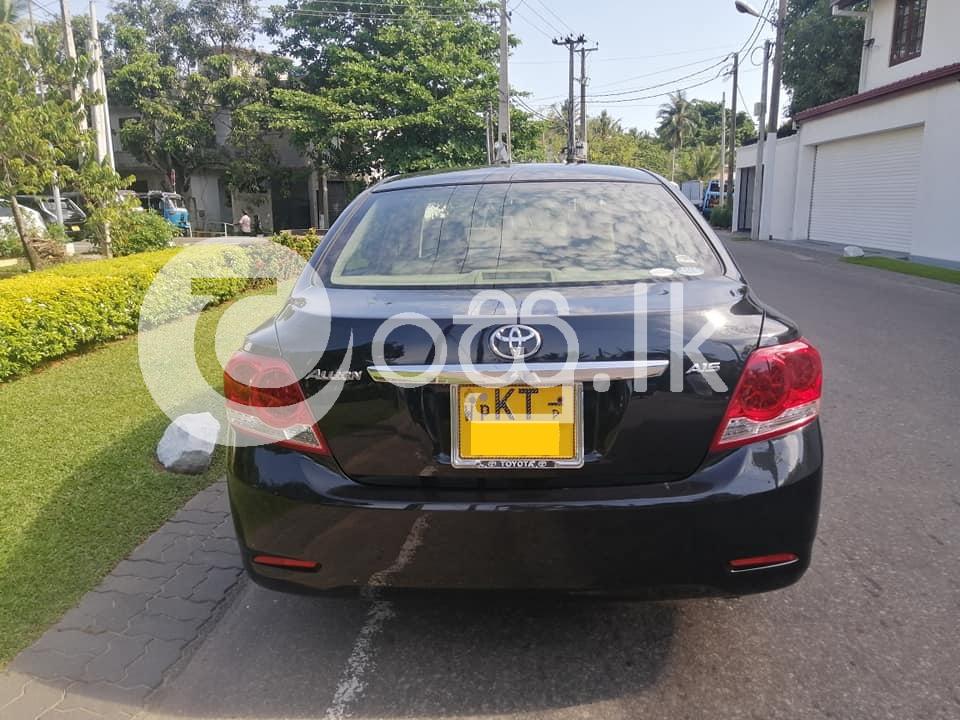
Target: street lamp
<point x="748" y="9"/>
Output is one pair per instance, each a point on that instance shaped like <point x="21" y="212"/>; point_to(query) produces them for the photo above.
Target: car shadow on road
<point x="277" y="655"/>
<point x="456" y="657"/>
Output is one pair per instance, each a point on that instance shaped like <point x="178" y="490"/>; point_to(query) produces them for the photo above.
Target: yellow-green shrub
<point x="304" y="244"/>
<point x="48" y="314"/>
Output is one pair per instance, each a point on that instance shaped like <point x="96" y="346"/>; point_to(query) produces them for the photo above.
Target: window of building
<point x="907" y="30"/>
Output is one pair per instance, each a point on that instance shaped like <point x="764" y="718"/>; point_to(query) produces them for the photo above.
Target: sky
<point x="641" y="43"/>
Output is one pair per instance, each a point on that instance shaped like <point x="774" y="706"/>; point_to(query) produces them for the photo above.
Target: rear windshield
<point x="521" y="234"/>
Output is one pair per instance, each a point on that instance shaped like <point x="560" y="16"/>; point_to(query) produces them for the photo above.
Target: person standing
<point x="244" y="223"/>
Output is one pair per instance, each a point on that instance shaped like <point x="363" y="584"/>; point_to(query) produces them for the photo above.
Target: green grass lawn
<point x="909" y="268"/>
<point x="79" y="482"/>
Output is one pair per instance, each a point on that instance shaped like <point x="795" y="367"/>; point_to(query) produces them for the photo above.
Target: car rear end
<point x="678" y="451"/>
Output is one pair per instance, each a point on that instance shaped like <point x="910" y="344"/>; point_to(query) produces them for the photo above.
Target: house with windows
<point x="296" y="197"/>
<point x="876" y="169"/>
<point x="294" y="200"/>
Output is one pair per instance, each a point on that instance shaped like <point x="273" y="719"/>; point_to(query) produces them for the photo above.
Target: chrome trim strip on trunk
<point x="581" y="372"/>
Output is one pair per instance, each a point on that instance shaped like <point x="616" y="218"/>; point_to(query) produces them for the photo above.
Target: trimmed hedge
<point x="303" y="245"/>
<point x="48" y="314"/>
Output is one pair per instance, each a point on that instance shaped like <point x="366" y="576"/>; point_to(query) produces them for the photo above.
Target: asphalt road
<point x="872" y="631"/>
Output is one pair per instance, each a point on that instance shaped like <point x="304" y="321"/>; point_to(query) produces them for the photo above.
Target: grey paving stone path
<point x="110" y="652"/>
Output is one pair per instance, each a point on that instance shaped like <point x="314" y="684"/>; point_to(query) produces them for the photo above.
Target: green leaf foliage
<point x="58" y="311"/>
<point x="821" y="60"/>
<point x="408" y="88"/>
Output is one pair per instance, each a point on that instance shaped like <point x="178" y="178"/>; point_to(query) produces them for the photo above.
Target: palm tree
<point x="605" y="126"/>
<point x="703" y="163"/>
<point x="677" y="120"/>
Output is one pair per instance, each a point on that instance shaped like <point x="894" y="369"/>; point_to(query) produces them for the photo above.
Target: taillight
<point x="264" y="399"/>
<point x="779" y="391"/>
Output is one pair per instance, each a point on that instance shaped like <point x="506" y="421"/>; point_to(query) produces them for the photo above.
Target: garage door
<point x="865" y="190"/>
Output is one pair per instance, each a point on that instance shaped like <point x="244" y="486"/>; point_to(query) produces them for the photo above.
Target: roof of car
<point x="518" y="173"/>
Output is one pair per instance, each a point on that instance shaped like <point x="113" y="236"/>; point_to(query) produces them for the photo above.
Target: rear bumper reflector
<point x="762" y="562"/>
<point x="531" y="372"/>
<point x="285" y="562"/>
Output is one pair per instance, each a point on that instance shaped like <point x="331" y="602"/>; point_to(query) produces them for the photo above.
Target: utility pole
<point x="732" y="162"/>
<point x="503" y="126"/>
<point x="488" y="131"/>
<point x="101" y="85"/>
<point x="774" y="123"/>
<point x="723" y="138"/>
<point x="55" y="187"/>
<point x="761" y="138"/>
<point x="71" y="51"/>
<point x="571" y="44"/>
<point x="93" y="83"/>
<point x="583" y="101"/>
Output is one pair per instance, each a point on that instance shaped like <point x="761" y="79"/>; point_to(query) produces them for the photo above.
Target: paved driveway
<point x="872" y="631"/>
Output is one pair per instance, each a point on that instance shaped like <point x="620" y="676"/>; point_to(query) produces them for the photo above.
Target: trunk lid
<point x="383" y="434"/>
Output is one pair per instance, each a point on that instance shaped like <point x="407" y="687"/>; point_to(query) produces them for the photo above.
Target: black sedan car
<point x="544" y="378"/>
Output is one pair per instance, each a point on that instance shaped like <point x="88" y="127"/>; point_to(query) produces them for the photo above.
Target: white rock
<point x="852" y="251"/>
<point x="188" y="443"/>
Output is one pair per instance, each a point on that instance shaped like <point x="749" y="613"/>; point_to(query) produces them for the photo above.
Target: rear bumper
<point x="653" y="539"/>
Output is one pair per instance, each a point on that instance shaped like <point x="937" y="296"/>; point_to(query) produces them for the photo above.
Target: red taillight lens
<point x="779" y="391"/>
<point x="264" y="399"/>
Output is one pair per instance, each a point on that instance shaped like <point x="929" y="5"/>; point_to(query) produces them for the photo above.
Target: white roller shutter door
<point x="865" y="190"/>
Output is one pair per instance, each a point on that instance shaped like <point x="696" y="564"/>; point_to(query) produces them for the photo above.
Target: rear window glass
<point x="521" y="234"/>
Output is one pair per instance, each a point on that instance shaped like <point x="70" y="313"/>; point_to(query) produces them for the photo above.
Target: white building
<point x="877" y="169"/>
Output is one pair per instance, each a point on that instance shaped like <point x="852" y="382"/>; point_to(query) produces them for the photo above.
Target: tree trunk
<point x="107" y="241"/>
<point x="326" y="199"/>
<point x="22" y="231"/>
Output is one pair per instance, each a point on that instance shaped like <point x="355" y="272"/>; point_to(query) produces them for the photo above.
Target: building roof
<point x="519" y="173"/>
<point x="910" y="84"/>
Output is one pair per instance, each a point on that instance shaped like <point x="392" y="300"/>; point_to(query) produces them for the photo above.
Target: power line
<point x="558" y="18"/>
<point x="619" y="100"/>
<point x="547" y="22"/>
<point x="524" y="106"/>
<point x="656" y="95"/>
<point x="534" y="26"/>
<point x="627" y="57"/>
<point x="721" y="58"/>
<point x="618" y="93"/>
<point x="352" y="15"/>
<point x="661" y="71"/>
<point x="393" y="5"/>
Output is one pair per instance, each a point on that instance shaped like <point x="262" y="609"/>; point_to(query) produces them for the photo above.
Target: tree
<point x="651" y="154"/>
<point x="408" y="88"/>
<point x="161" y="27"/>
<point x="183" y="116"/>
<point x="12" y="12"/>
<point x="821" y="60"/>
<point x="224" y="24"/>
<point x="703" y="163"/>
<point x="709" y="123"/>
<point x="677" y="121"/>
<point x="39" y="134"/>
<point x="604" y="126"/>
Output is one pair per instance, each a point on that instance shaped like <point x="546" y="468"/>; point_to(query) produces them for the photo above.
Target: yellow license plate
<point x="517" y="423"/>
